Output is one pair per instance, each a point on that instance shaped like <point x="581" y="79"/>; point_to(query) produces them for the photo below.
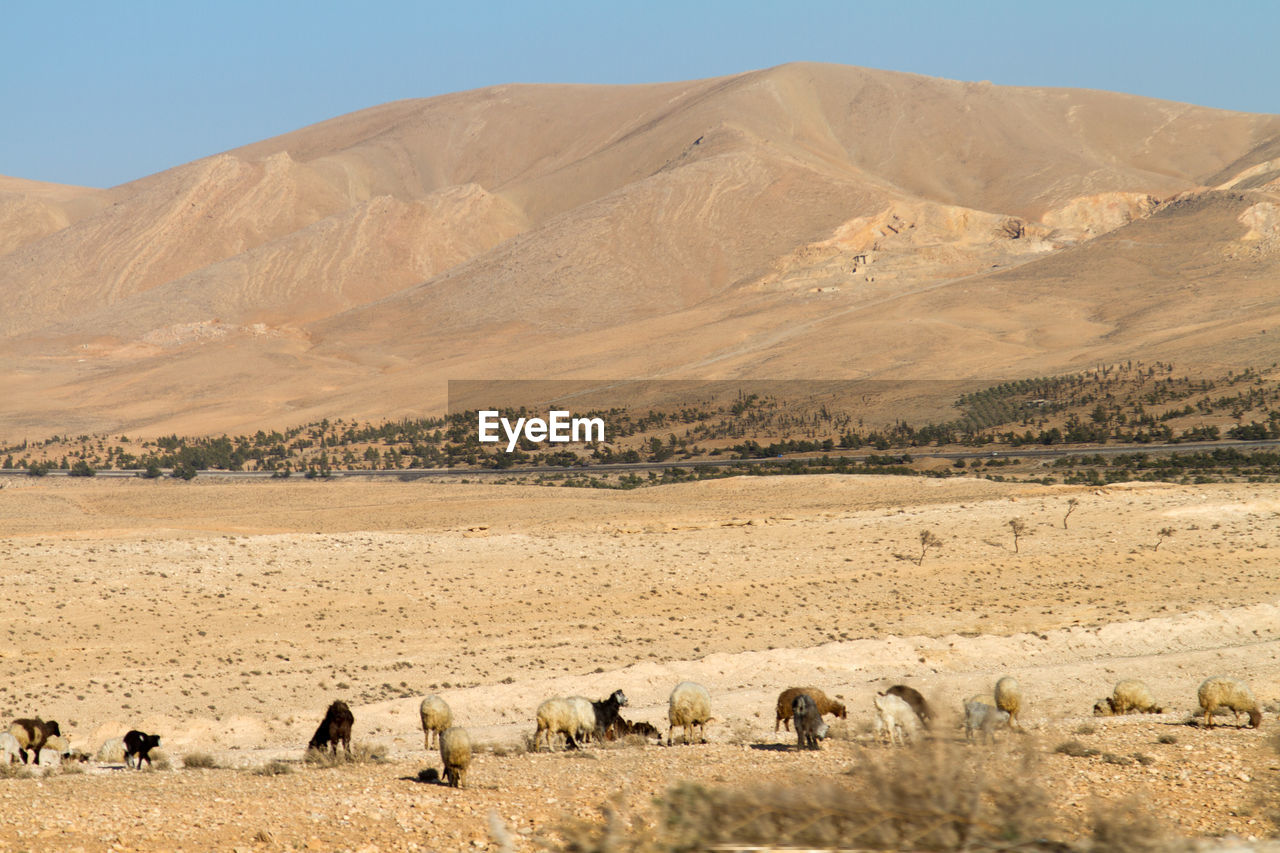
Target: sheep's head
<point x="1255" y="719"/>
<point x="1104" y="707"/>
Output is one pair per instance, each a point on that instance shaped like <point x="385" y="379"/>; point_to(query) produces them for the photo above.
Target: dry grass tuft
<point x="199" y="761"/>
<point x="361" y="753"/>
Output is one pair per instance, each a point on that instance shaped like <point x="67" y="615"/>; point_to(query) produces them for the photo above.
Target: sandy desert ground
<point x="225" y="616"/>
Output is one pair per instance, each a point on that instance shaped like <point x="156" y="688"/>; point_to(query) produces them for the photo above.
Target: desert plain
<point x="225" y="616"/>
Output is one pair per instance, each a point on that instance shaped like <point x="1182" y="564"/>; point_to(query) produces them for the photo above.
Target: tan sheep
<point x="825" y="705"/>
<point x="455" y="755"/>
<point x="436" y="717"/>
<point x="689" y="706"/>
<point x="1008" y="697"/>
<point x="1222" y="692"/>
<point x="1128" y="697"/>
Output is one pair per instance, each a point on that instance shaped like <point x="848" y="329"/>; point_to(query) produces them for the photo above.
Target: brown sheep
<point x="31" y="734"/>
<point x="825" y="704"/>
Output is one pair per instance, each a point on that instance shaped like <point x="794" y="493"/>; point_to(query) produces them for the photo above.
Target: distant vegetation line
<point x="1131" y="403"/>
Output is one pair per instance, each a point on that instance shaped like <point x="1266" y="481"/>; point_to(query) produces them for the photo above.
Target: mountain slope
<point x="804" y="221"/>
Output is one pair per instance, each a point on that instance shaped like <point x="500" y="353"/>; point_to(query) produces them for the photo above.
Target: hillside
<point x="806" y="221"/>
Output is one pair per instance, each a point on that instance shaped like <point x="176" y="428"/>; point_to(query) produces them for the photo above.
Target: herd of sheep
<point x="901" y="714"/>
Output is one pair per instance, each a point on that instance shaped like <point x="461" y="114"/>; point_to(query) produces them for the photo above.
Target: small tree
<point x="81" y="469"/>
<point x="152" y="470"/>
<point x="1071" y="507"/>
<point x="184" y="471"/>
<point x="1019" y="528"/>
<point x="1161" y="535"/>
<point x="927" y="540"/>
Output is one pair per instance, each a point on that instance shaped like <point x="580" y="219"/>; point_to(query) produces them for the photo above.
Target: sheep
<point x="896" y="718"/>
<point x="54" y="750"/>
<point x="584" y="717"/>
<point x="984" y="719"/>
<point x="31" y="733"/>
<point x="1009" y="699"/>
<point x="825" y="705"/>
<point x="8" y="747"/>
<point x="139" y="744"/>
<point x="688" y="706"/>
<point x="1222" y="692"/>
<point x="336" y="726"/>
<point x="809" y="726"/>
<point x="111" y="752"/>
<point x="606" y="712"/>
<point x="642" y="729"/>
<point x="1129" y="696"/>
<point x="559" y="715"/>
<point x="455" y="755"/>
<point x="917" y="702"/>
<point x="436" y="717"/>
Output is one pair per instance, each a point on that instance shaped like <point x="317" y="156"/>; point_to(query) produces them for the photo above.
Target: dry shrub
<point x="15" y="771"/>
<point x="939" y="796"/>
<point x="1130" y="826"/>
<point x="199" y="761"/>
<point x="361" y="753"/>
<point x="274" y="767"/>
<point x="1076" y="749"/>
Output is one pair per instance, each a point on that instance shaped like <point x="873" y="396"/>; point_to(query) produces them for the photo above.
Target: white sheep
<point x="455" y="755"/>
<point x="689" y="706"/>
<point x="557" y="715"/>
<point x="584" y="715"/>
<point x="436" y="717"/>
<point x="895" y="718"/>
<point x="984" y="719"/>
<point x="9" y="748"/>
<point x="1008" y="697"/>
<point x="1128" y="696"/>
<point x="1222" y="692"/>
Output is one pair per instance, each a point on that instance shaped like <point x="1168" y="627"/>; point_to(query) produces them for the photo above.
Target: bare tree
<point x="927" y="541"/>
<point x="1019" y="528"/>
<point x="1071" y="507"/>
<point x="1162" y="534"/>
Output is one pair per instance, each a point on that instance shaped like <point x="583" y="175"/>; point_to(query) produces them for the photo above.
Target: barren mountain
<point x="806" y="221"/>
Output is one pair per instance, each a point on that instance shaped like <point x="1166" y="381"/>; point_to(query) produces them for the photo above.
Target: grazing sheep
<point x="584" y="715"/>
<point x="1129" y="697"/>
<point x="55" y="749"/>
<point x="139" y="744"/>
<point x="559" y="715"/>
<point x="917" y="702"/>
<point x="31" y="734"/>
<point x="643" y="729"/>
<point x="8" y="748"/>
<point x="689" y="706"/>
<point x="335" y="727"/>
<point x="111" y="752"/>
<point x="984" y="719"/>
<point x="809" y="726"/>
<point x="606" y="713"/>
<point x="896" y="718"/>
<point x="436" y="717"/>
<point x="1009" y="699"/>
<point x="1222" y="692"/>
<point x="455" y="755"/>
<point x="825" y="705"/>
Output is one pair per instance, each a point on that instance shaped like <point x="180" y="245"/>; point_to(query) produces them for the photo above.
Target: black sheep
<point x="336" y="726"/>
<point x="139" y="744"/>
<point x="607" y="713"/>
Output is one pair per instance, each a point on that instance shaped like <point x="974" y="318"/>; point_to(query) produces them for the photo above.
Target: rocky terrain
<point x="226" y="616"/>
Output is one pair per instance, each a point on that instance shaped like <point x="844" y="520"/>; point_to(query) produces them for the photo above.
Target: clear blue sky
<point x="99" y="93"/>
